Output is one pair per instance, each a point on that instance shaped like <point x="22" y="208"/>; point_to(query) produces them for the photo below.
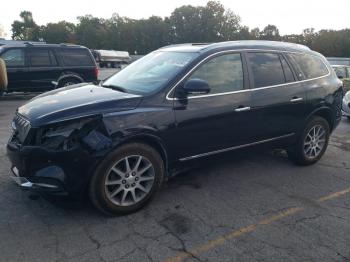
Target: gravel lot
<point x="252" y="205"/>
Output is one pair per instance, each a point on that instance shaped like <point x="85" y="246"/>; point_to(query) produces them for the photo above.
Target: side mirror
<point x="196" y="86"/>
<point x="340" y="77"/>
<point x="3" y="76"/>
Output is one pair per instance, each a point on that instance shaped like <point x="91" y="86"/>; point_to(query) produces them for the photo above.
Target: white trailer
<point x="111" y="58"/>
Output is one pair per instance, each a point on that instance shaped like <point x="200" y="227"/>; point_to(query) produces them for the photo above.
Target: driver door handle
<point x="242" y="109"/>
<point x="296" y="99"/>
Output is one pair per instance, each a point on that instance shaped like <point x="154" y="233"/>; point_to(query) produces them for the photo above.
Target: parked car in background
<point x="121" y="140"/>
<point x="111" y="58"/>
<point x="39" y="67"/>
<point x="343" y="73"/>
<point x="339" y="60"/>
<point x="346" y="105"/>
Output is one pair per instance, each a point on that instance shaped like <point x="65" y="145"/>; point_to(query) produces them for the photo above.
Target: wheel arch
<point x="70" y="75"/>
<point x="324" y="112"/>
<point x="152" y="141"/>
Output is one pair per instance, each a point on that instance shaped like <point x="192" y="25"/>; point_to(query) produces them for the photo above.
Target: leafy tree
<point x="92" y="32"/>
<point x="209" y="23"/>
<point x="186" y="25"/>
<point x="332" y="42"/>
<point x="294" y="38"/>
<point x="270" y="32"/>
<point x="61" y="32"/>
<point x="309" y="36"/>
<point x="255" y="33"/>
<point x="244" y="33"/>
<point x="26" y="29"/>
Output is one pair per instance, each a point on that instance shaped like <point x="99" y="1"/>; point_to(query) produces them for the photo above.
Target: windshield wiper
<point x="115" y="87"/>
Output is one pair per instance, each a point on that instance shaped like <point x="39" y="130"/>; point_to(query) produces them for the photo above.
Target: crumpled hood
<point x="76" y="101"/>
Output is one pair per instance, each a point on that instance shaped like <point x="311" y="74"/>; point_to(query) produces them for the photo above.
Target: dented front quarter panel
<point x="155" y="123"/>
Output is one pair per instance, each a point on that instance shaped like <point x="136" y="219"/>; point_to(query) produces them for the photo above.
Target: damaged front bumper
<point x="54" y="172"/>
<point x="25" y="183"/>
<point x="58" y="158"/>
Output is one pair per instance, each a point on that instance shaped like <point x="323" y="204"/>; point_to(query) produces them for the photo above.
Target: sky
<point x="291" y="17"/>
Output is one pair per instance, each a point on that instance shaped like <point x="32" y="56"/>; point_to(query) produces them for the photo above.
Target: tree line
<point x="196" y="24"/>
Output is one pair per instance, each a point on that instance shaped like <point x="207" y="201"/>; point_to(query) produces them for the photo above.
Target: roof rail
<point x="32" y="43"/>
<point x="67" y="44"/>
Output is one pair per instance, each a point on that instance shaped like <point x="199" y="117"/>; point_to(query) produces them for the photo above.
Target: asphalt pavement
<point x="252" y="205"/>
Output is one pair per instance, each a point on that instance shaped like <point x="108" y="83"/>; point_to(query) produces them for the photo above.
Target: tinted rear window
<point x="311" y="66"/>
<point x="266" y="68"/>
<point x="76" y="57"/>
<point x="42" y="57"/>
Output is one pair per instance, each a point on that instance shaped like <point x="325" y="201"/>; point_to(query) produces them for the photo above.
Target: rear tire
<point x="312" y="143"/>
<point x="68" y="81"/>
<point x="127" y="179"/>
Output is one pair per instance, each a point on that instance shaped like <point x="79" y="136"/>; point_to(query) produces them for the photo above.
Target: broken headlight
<point x="65" y="135"/>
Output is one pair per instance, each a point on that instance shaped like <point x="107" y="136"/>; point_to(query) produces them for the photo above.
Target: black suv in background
<point x="121" y="140"/>
<point x="34" y="67"/>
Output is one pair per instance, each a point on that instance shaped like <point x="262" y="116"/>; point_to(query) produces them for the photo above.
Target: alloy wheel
<point x="315" y="141"/>
<point x="129" y="180"/>
<point x="69" y="84"/>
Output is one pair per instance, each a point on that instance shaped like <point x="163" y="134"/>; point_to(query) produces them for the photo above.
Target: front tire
<point x="126" y="179"/>
<point x="312" y="143"/>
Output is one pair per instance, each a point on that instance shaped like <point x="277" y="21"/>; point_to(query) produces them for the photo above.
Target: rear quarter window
<point x="311" y="66"/>
<point x="76" y="57"/>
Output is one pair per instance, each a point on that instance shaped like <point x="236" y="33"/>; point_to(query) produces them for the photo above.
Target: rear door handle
<point x="296" y="99"/>
<point x="242" y="109"/>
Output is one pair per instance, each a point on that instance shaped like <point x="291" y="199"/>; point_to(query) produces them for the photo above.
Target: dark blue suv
<point x="120" y="140"/>
<point x="40" y="67"/>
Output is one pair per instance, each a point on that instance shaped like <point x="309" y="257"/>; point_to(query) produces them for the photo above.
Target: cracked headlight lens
<point x="62" y="135"/>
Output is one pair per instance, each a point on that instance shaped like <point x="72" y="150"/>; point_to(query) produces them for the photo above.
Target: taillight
<point x="96" y="72"/>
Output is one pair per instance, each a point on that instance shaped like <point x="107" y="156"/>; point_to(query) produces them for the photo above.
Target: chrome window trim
<point x="243" y="90"/>
<point x="235" y="147"/>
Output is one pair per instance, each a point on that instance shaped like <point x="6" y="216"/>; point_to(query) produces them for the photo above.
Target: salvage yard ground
<point x="253" y="205"/>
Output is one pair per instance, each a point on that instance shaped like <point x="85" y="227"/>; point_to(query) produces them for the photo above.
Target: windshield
<point x="151" y="72"/>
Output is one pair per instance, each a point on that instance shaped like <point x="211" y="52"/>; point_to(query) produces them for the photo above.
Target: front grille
<point x="21" y="127"/>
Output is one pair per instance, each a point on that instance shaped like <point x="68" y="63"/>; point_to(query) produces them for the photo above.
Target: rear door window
<point x="41" y="58"/>
<point x="311" y="66"/>
<point x="14" y="57"/>
<point x="266" y="69"/>
<point x="76" y="57"/>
